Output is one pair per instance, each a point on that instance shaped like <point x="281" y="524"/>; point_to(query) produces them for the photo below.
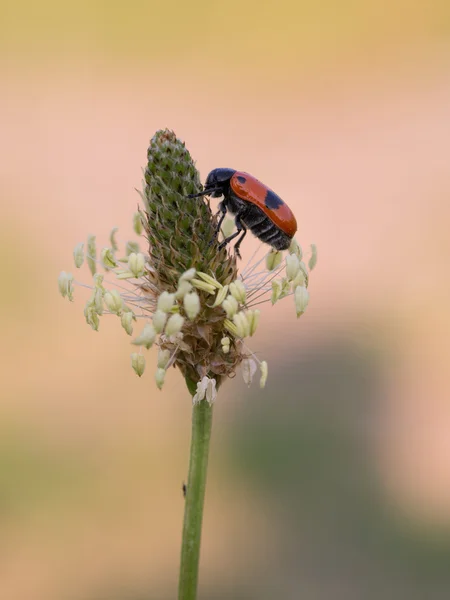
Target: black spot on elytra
<point x="273" y="201"/>
<point x="241" y="179"/>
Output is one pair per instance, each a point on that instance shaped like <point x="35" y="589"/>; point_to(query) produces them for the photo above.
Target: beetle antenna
<point x="204" y="193"/>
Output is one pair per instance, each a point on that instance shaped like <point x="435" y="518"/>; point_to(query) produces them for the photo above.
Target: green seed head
<point x="184" y="294"/>
<point x="180" y="230"/>
<point x="182" y="235"/>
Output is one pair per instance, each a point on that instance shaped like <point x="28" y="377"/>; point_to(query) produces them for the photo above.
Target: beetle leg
<point x="238" y="243"/>
<point x="223" y="210"/>
<point x="240" y="227"/>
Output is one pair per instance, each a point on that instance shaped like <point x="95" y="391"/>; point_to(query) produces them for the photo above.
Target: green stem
<point x="195" y="496"/>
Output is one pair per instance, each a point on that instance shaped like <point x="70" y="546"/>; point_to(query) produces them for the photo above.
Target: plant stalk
<point x="195" y="496"/>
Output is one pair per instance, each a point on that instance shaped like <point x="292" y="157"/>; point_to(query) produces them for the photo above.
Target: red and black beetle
<point x="255" y="207"/>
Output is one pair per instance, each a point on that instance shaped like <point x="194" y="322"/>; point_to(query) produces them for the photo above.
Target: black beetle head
<point x="217" y="180"/>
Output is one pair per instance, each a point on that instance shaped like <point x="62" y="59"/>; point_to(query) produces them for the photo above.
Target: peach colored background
<point x="344" y="110"/>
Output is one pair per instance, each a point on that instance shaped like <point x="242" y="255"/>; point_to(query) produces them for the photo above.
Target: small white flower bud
<point x="136" y="264"/>
<point x="228" y="226"/>
<point x="201" y="391"/>
<point x="107" y="258"/>
<point x="184" y="287"/>
<point x="159" y="320"/>
<point x="97" y="299"/>
<point x="174" y="324"/>
<point x="225" y="343"/>
<point x="123" y="274"/>
<point x="91" y="254"/>
<point x="304" y="268"/>
<point x="242" y="325"/>
<point x="211" y="392"/>
<point x="210" y="280"/>
<point x="220" y="297"/>
<point x="98" y="281"/>
<point x="253" y="320"/>
<point x="113" y="301"/>
<point x="285" y="287"/>
<point x="299" y="280"/>
<point x="264" y="371"/>
<point x="163" y="358"/>
<point x="230" y="306"/>
<point x="301" y="297"/>
<point x="137" y="222"/>
<point x="131" y="247"/>
<point x="112" y="239"/>
<point x="138" y="363"/>
<point x="231" y="327"/>
<point x="165" y="302"/>
<point x="160" y="375"/>
<point x="146" y="337"/>
<point x="238" y="291"/>
<point x="192" y="305"/>
<point x="65" y="284"/>
<point x="78" y="255"/>
<point x="292" y="266"/>
<point x="205" y="387"/>
<point x="248" y="370"/>
<point x="273" y="259"/>
<point x="127" y="321"/>
<point x="296" y="249"/>
<point x="276" y="291"/>
<point x="91" y="316"/>
<point x="313" y="260"/>
<point x="176" y="338"/>
<point x="188" y="275"/>
<point x="202" y="285"/>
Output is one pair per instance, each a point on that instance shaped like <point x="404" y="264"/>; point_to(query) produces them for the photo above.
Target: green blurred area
<point x="310" y="450"/>
<point x="37" y="478"/>
<point x="304" y="448"/>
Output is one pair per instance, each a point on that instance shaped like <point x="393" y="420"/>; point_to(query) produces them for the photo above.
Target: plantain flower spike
<point x="180" y="286"/>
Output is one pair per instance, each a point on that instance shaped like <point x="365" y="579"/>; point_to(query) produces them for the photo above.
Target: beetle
<point x="254" y="205"/>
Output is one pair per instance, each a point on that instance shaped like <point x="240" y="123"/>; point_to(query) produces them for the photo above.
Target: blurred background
<point x="335" y="480"/>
